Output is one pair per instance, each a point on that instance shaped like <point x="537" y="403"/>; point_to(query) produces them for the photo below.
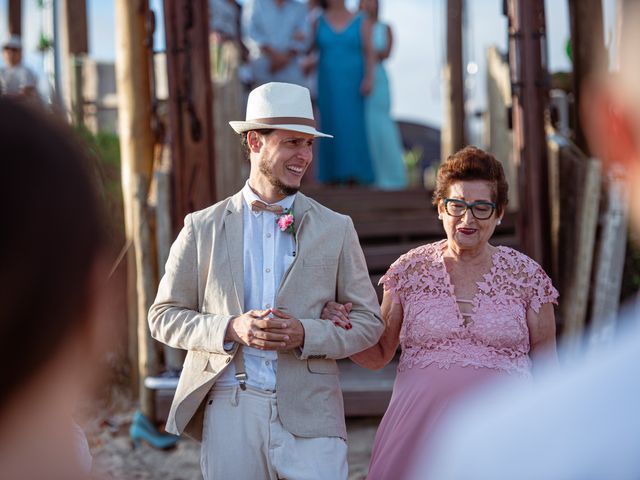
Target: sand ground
<point x="114" y="457"/>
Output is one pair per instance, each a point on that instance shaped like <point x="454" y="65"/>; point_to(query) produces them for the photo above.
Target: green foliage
<point x="104" y="145"/>
<point x="44" y="43"/>
<point x="412" y="162"/>
<point x="104" y="149"/>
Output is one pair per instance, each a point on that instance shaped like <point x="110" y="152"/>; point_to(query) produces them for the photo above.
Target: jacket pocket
<point x="324" y="366"/>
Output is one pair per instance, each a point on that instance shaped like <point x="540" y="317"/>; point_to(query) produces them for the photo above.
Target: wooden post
<point x="499" y="135"/>
<point x="587" y="49"/>
<point x="136" y="146"/>
<point x="576" y="191"/>
<point x="453" y="133"/>
<point x="529" y="81"/>
<point x="75" y="12"/>
<point x="173" y="357"/>
<point x="15" y="17"/>
<point x="609" y="261"/>
<point x="190" y="107"/>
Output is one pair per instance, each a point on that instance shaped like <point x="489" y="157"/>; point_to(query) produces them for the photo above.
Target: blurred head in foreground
<point x="611" y="110"/>
<point x="52" y="284"/>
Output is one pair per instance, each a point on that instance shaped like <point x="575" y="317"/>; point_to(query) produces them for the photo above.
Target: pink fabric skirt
<point x="420" y="398"/>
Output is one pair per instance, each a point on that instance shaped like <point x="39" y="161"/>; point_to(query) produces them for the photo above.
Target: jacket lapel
<point x="301" y="207"/>
<point x="234" y="237"/>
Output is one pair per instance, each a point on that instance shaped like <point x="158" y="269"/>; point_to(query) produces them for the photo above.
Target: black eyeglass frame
<point x="469" y="206"/>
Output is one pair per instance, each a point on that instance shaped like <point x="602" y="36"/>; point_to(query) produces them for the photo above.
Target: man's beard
<point x="275" y="181"/>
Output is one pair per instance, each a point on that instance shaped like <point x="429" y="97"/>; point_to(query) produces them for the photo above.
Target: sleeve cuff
<point x="218" y="332"/>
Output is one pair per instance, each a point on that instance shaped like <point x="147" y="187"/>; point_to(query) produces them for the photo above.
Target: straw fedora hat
<point x="282" y="106"/>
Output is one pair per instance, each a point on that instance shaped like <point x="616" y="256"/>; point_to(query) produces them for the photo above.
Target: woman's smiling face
<point x="467" y="232"/>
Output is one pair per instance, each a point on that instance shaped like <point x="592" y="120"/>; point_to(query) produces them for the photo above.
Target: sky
<point x="417" y="58"/>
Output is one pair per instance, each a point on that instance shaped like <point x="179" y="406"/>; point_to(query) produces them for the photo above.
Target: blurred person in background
<point x="16" y="79"/>
<point x="465" y="313"/>
<point x="277" y="34"/>
<point x="580" y="422"/>
<point x="342" y="42"/>
<point x="383" y="135"/>
<point x="53" y="294"/>
<point x="225" y="39"/>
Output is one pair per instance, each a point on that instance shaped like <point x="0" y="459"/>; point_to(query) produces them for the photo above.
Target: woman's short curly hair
<point x="468" y="164"/>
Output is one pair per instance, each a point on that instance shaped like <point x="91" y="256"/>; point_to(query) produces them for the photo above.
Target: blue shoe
<point x="143" y="430"/>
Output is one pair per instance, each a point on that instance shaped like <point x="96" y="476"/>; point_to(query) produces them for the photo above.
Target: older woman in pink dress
<point x="463" y="311"/>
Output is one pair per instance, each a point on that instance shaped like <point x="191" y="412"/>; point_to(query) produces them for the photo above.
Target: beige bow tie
<point x="259" y="206"/>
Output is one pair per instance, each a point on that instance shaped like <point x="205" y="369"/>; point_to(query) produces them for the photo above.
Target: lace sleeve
<point x="392" y="280"/>
<point x="541" y="290"/>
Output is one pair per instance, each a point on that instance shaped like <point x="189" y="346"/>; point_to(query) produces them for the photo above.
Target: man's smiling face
<point x="284" y="158"/>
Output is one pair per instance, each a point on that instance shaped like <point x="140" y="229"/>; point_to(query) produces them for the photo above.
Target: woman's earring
<point x="500" y="222"/>
<point x="439" y="216"/>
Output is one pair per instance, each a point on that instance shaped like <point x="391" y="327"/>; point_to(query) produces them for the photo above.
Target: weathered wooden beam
<point x="529" y="80"/>
<point x="587" y="49"/>
<point x="15" y="17"/>
<point x="609" y="262"/>
<point x="576" y="188"/>
<point x="190" y="107"/>
<point x="173" y="358"/>
<point x="136" y="146"/>
<point x="453" y="133"/>
<point x="76" y="29"/>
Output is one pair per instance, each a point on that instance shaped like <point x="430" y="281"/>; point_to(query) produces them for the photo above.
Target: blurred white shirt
<point x="14" y="79"/>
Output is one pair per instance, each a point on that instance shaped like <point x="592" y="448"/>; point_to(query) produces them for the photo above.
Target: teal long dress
<point x="345" y="158"/>
<point x="382" y="132"/>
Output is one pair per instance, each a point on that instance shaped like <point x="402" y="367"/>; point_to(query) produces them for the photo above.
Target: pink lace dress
<point x="446" y="354"/>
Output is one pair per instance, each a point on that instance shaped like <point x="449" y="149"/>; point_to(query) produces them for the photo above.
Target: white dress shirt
<point x="14" y="79"/>
<point x="268" y="253"/>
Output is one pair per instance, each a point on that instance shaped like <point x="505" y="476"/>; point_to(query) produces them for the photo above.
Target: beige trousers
<point x="243" y="439"/>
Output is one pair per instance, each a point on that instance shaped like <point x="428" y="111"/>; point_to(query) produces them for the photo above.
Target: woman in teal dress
<point x="345" y="64"/>
<point x="382" y="132"/>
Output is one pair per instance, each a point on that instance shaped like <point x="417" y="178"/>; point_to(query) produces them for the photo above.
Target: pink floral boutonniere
<point x="285" y="221"/>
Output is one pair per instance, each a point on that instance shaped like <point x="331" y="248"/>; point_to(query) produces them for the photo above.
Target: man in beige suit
<point x="244" y="287"/>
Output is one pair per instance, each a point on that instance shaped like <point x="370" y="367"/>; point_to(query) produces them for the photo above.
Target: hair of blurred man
<point x="52" y="287"/>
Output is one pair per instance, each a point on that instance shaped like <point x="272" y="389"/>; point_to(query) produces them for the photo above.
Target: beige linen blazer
<point x="203" y="289"/>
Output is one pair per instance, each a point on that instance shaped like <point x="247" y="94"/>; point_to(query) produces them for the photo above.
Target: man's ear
<point x="255" y="141"/>
<point x="610" y="126"/>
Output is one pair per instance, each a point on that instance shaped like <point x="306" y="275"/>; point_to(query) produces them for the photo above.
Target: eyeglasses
<point x="457" y="208"/>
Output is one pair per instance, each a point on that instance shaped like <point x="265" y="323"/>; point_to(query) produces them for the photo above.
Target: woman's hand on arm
<point x="338" y="314"/>
<point x="542" y="336"/>
<point x="382" y="352"/>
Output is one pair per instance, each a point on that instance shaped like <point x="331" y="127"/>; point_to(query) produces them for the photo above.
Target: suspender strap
<point x="238" y="362"/>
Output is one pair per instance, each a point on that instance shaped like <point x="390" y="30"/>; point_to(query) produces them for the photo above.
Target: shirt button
<point x="267" y="306"/>
<point x="268" y="270"/>
<point x="268" y="235"/>
<point x="267" y="363"/>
